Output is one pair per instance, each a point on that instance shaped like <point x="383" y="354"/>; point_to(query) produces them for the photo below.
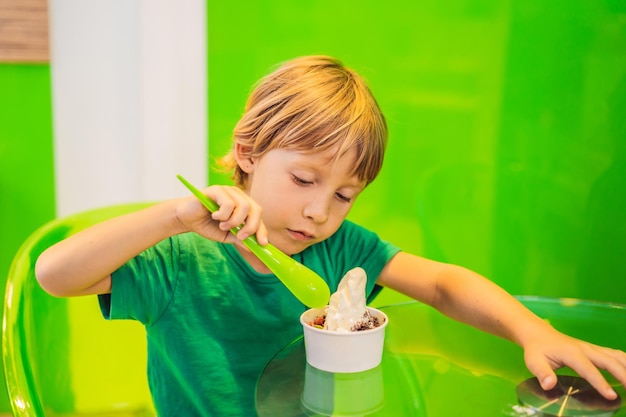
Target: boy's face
<point x="305" y="197"/>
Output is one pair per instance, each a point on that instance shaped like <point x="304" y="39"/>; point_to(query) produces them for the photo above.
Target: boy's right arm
<point x="83" y="263"/>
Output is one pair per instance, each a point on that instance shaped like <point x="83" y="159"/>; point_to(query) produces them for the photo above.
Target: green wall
<point x="506" y="118"/>
<point x="26" y="165"/>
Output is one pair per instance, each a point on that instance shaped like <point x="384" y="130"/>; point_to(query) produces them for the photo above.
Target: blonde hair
<point x="309" y="104"/>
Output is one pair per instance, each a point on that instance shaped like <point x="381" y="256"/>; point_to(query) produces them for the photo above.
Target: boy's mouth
<point x="300" y="235"/>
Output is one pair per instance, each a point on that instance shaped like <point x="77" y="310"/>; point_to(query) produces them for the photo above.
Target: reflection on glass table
<point x="435" y="366"/>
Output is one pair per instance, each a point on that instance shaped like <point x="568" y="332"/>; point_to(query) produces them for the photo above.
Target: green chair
<point x="61" y="358"/>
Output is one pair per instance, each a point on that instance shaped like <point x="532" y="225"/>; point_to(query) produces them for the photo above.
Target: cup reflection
<point x="345" y="394"/>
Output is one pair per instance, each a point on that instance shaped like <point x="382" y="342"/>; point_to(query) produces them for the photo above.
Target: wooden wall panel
<point x="24" y="31"/>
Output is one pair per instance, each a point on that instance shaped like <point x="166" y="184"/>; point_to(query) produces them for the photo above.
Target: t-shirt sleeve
<point x="142" y="288"/>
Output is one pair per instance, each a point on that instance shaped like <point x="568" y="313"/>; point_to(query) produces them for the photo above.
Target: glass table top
<point x="435" y="366"/>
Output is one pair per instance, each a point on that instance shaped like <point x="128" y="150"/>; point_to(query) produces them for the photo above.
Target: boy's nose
<point x="317" y="210"/>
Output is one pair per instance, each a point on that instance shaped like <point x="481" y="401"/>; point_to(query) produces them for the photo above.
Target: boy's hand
<point x="557" y="350"/>
<point x="235" y="208"/>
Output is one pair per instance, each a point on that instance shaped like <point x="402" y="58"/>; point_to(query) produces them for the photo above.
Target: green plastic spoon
<point x="306" y="285"/>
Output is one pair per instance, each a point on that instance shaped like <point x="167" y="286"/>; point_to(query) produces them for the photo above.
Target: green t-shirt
<point x="213" y="323"/>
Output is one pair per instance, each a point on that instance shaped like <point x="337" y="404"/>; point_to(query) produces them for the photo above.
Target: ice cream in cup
<point x="345" y="336"/>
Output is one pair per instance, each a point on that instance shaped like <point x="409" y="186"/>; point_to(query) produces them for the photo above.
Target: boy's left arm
<point x="470" y="298"/>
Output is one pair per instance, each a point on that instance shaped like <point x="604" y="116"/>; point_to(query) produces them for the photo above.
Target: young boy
<point x="310" y="141"/>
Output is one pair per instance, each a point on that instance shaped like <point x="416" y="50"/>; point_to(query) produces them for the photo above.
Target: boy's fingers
<point x="252" y="223"/>
<point x="619" y="367"/>
<point x="547" y="381"/>
<point x="595" y="378"/>
<point x="543" y="371"/>
<point x="261" y="235"/>
<point x="233" y="210"/>
<point x="612" y="360"/>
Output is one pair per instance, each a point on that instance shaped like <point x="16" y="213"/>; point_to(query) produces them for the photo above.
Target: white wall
<point x="129" y="100"/>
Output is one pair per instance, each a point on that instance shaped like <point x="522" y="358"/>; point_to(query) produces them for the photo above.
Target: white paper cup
<point x="343" y="352"/>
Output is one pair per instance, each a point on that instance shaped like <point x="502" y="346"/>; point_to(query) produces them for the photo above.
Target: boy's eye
<point x="343" y="197"/>
<point x="301" y="181"/>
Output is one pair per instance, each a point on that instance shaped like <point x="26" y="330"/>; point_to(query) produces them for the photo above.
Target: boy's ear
<point x="244" y="160"/>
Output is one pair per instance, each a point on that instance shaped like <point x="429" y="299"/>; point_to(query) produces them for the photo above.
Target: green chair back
<point x="60" y="356"/>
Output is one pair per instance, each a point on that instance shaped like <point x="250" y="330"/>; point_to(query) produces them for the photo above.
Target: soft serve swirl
<point x="347" y="309"/>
